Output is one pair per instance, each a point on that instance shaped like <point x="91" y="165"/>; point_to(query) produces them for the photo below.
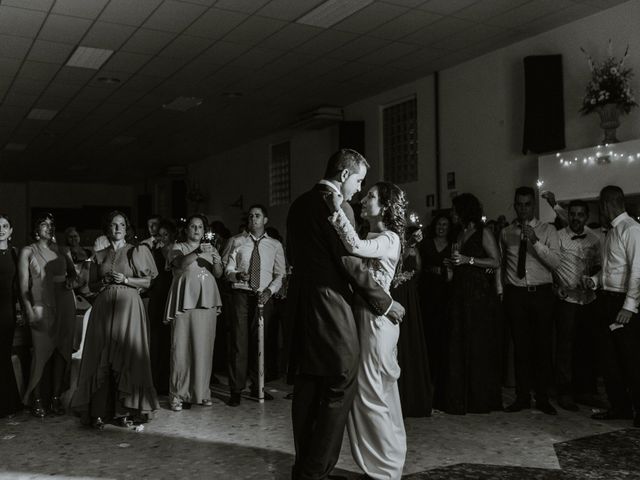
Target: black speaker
<point x="351" y="136"/>
<point x="543" y="104"/>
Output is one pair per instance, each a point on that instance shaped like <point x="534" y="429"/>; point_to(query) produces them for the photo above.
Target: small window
<point x="400" y="141"/>
<point x="279" y="175"/>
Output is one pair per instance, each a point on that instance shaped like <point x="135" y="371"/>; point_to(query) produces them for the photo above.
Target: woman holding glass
<point x="192" y="309"/>
<point x="115" y="380"/>
<point x="45" y="277"/>
<point x="472" y="382"/>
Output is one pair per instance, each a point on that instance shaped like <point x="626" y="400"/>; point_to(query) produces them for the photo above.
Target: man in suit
<point x="326" y="349"/>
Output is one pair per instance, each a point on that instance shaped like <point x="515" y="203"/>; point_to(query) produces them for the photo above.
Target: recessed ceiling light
<point x="41" y="114"/>
<point x="232" y="94"/>
<point x="182" y="104"/>
<point x="108" y="80"/>
<point x="331" y="12"/>
<point x="15" y="147"/>
<point x="89" y="57"/>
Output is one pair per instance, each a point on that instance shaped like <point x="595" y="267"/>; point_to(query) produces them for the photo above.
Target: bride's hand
<point x="333" y="201"/>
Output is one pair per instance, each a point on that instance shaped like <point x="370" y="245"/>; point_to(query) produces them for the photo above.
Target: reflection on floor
<point x="254" y="441"/>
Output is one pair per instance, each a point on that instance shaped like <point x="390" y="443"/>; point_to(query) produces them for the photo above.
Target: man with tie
<point x="575" y="370"/>
<point x="617" y="308"/>
<point x="255" y="268"/>
<point x="530" y="255"/>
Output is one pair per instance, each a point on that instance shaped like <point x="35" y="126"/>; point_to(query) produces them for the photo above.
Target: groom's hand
<point x="396" y="313"/>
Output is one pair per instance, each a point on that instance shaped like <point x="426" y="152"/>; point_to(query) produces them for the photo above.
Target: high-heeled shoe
<point x="56" y="406"/>
<point x="37" y="410"/>
<point x="124" y="422"/>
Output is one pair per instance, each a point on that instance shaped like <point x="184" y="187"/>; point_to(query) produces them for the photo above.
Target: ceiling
<point x="210" y="49"/>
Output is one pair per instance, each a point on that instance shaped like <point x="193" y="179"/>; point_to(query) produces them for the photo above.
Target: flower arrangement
<point x="610" y="83"/>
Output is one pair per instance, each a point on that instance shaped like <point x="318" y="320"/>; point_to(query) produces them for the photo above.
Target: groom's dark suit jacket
<point x="321" y="289"/>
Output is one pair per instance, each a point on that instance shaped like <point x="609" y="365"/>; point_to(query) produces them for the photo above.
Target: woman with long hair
<point x="10" y="401"/>
<point x="45" y="278"/>
<point x="375" y="424"/>
<point x="433" y="287"/>
<point x="472" y="383"/>
<point x="115" y="380"/>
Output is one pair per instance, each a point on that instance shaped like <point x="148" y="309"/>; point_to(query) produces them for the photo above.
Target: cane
<point x="260" y="353"/>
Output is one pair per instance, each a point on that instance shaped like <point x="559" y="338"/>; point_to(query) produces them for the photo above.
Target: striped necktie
<point x="254" y="265"/>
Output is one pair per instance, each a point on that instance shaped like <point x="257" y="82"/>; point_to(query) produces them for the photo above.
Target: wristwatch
<point x="472" y="261"/>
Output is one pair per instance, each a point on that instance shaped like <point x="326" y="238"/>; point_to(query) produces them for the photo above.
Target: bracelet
<point x="126" y="280"/>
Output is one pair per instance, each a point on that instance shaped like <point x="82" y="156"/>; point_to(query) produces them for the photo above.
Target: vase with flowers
<point x="609" y="92"/>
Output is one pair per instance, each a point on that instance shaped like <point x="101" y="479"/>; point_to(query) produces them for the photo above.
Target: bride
<point x="375" y="425"/>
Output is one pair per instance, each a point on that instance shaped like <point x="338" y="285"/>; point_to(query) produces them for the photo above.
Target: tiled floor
<point x="254" y="441"/>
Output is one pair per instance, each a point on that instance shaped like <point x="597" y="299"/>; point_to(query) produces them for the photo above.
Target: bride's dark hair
<point x="393" y="202"/>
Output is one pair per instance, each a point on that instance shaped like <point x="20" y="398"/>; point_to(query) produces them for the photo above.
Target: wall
<point x="482" y="105"/>
<point x="17" y="200"/>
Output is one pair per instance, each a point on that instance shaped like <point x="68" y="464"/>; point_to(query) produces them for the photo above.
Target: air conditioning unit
<point x="319" y="118"/>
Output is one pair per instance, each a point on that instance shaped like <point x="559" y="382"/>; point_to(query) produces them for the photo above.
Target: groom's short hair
<point x="344" y="158"/>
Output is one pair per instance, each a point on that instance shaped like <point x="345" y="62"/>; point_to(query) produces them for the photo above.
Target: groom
<point x="325" y="343"/>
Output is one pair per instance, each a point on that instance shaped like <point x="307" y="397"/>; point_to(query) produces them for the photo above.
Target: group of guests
<point x="566" y="294"/>
<point x="152" y="324"/>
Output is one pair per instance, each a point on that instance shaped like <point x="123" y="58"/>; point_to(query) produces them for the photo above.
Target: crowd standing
<point x="566" y="298"/>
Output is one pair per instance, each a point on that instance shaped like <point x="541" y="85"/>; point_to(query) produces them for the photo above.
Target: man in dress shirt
<point x="618" y="298"/>
<point x="575" y="335"/>
<point x="153" y="225"/>
<point x="530" y="254"/>
<point x="255" y="268"/>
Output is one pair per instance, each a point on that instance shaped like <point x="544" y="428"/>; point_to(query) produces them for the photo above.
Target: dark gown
<point x="434" y="301"/>
<point x="472" y="383"/>
<point x="10" y="401"/>
<point x="414" y="383"/>
<point x="160" y="333"/>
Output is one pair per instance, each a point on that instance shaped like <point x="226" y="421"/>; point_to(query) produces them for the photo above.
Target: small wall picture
<point x="451" y="180"/>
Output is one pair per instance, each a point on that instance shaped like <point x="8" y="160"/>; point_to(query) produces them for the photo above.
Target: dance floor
<point x="253" y="441"/>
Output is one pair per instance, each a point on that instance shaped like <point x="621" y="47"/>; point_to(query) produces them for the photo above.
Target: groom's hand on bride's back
<point x="396" y="313"/>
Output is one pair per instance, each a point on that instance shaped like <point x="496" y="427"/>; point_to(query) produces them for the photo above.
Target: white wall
<point x="482" y="105"/>
<point x="482" y="112"/>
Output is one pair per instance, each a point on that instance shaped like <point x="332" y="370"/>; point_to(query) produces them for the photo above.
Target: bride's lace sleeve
<point x="377" y="247"/>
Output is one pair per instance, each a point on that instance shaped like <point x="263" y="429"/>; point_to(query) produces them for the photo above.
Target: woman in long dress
<point x="115" y="379"/>
<point x="192" y="309"/>
<point x="375" y="424"/>
<point x="45" y="278"/>
<point x="472" y="382"/>
<point x="416" y="393"/>
<point x="10" y="401"/>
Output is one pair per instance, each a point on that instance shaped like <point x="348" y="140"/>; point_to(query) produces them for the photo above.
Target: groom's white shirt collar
<point x="330" y="185"/>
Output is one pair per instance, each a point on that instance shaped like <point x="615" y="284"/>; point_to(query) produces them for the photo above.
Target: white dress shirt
<point x="621" y="261"/>
<point x="578" y="257"/>
<point x="272" y="263"/>
<point x="540" y="261"/>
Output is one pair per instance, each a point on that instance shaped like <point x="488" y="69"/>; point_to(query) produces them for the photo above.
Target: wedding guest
<point x="153" y="224"/>
<point x="160" y="332"/>
<point x="45" y="279"/>
<point x="575" y="329"/>
<point x="10" y="401"/>
<point x="617" y="308"/>
<point x="115" y="381"/>
<point x="529" y="256"/>
<point x="255" y="267"/>
<point x="473" y="375"/>
<point x="192" y="309"/>
<point x="72" y="240"/>
<point x="433" y="286"/>
<point x="414" y="384"/>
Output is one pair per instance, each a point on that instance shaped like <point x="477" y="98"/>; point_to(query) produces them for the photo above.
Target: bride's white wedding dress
<point x="375" y="424"/>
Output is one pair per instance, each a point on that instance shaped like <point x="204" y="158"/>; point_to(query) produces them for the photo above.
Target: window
<point x="279" y="174"/>
<point x="400" y="142"/>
